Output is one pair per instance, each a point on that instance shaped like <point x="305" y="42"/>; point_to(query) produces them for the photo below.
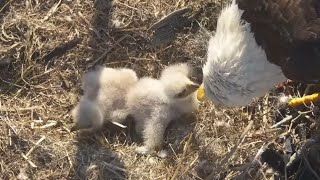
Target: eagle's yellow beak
<point x="201" y="94"/>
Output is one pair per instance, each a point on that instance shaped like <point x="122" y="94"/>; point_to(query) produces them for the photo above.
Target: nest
<point x="46" y="46"/>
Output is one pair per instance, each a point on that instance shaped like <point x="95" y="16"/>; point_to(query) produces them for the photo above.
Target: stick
<point x="284" y="120"/>
<point x="255" y="164"/>
<point x="182" y="157"/>
<point x="118" y="124"/>
<point x="4" y="109"/>
<point x="112" y="169"/>
<point x="232" y="152"/>
<point x="36" y="144"/>
<point x="107" y="51"/>
<point x="28" y="160"/>
<point x="51" y="11"/>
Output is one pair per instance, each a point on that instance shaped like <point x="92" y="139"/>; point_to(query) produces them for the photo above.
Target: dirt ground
<point x="46" y="46"/>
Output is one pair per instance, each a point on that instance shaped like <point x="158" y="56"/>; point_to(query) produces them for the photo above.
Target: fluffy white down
<point x="153" y="104"/>
<point x="174" y="79"/>
<point x="104" y="94"/>
<point x="237" y="70"/>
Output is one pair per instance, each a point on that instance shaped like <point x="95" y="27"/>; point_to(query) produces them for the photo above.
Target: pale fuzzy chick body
<point x="104" y="93"/>
<point x="153" y="103"/>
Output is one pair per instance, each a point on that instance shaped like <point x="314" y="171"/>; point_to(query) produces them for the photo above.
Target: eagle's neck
<point x="237" y="69"/>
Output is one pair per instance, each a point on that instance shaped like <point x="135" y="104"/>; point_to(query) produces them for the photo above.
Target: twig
<point x="284" y="120"/>
<point x="296" y="157"/>
<point x="70" y="162"/>
<point x="231" y="153"/>
<point x="51" y="11"/>
<point x="265" y="111"/>
<point x="112" y="169"/>
<point x="89" y="25"/>
<point x="312" y="119"/>
<point x="126" y="5"/>
<point x="108" y="50"/>
<point x="28" y="160"/>
<point x="50" y="124"/>
<point x="289" y="118"/>
<point x="303" y="114"/>
<point x="254" y="164"/>
<point x="106" y="140"/>
<point x="118" y="124"/>
<point x="185" y="148"/>
<point x="4" y="109"/>
<point x="10" y="137"/>
<point x="191" y="164"/>
<point x="36" y="144"/>
<point x="5" y="5"/>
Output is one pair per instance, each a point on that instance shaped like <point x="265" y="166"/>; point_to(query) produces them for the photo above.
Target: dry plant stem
<point x="312" y="119"/>
<point x="222" y="164"/>
<point x="36" y="144"/>
<point x="265" y="110"/>
<point x="191" y="164"/>
<point x="255" y="163"/>
<point x="115" y="172"/>
<point x="5" y="5"/>
<point x="303" y="114"/>
<point x="283" y="121"/>
<point x="40" y="83"/>
<point x="25" y="156"/>
<point x="90" y="26"/>
<point x="28" y="160"/>
<point x="185" y="149"/>
<point x="295" y="157"/>
<point x="290" y="118"/>
<point x="108" y="50"/>
<point x="119" y="124"/>
<point x="11" y="128"/>
<point x="70" y="162"/>
<point x="49" y="124"/>
<point x="51" y="11"/>
<point x="113" y="168"/>
<point x="4" y="109"/>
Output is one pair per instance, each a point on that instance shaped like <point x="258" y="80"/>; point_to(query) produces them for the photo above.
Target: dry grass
<point x="40" y="83"/>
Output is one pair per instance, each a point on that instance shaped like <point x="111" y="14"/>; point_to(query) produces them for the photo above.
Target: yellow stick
<point x="304" y="100"/>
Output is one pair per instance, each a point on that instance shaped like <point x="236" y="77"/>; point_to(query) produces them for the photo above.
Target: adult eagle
<point x="258" y="44"/>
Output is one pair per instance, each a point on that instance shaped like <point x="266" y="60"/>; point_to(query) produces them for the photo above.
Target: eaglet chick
<point x="104" y="92"/>
<point x="154" y="103"/>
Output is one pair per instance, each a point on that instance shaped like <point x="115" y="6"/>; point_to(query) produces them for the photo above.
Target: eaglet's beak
<point x="189" y="89"/>
<point x="201" y="94"/>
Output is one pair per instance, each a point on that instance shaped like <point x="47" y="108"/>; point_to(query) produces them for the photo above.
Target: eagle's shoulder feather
<point x="283" y="27"/>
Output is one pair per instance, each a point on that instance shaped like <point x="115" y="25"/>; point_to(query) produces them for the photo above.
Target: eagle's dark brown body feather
<point x="289" y="32"/>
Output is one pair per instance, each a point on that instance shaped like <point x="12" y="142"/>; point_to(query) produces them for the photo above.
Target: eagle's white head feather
<point x="237" y="69"/>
